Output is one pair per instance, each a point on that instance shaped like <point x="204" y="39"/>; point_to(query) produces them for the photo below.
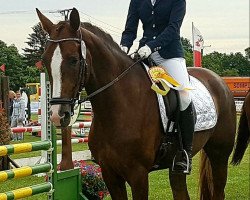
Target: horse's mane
<point x="107" y="38"/>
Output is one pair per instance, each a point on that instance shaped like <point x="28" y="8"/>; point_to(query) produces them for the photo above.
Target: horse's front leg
<point x="178" y="186"/>
<point x="66" y="162"/>
<point x="138" y="181"/>
<point x="115" y="184"/>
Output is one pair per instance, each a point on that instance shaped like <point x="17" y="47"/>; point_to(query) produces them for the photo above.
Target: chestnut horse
<point x="126" y="131"/>
<point x="243" y="137"/>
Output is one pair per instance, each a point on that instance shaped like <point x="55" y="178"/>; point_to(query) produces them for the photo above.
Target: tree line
<point x="21" y="67"/>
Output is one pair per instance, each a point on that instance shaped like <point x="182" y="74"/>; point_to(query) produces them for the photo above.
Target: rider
<point x="161" y="42"/>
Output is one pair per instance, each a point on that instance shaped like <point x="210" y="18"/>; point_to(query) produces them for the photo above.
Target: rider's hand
<point x="124" y="48"/>
<point x="144" y="51"/>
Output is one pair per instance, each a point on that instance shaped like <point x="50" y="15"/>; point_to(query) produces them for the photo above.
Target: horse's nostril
<point x="65" y="121"/>
<point x="50" y="112"/>
<point x="67" y="114"/>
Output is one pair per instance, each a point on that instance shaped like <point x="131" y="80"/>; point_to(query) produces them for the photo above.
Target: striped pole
<point x="87" y="120"/>
<point x="26" y="191"/>
<point x="24" y="147"/>
<point x="26" y="129"/>
<point x="24" y="171"/>
<point x="74" y="141"/>
<point x="73" y="134"/>
<point x="81" y="125"/>
<point x="86" y="113"/>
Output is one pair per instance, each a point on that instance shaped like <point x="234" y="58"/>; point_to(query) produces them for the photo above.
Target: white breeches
<point x="176" y="67"/>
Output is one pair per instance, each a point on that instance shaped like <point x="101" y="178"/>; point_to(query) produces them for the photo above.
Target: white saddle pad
<point x="203" y="103"/>
<point x="204" y="106"/>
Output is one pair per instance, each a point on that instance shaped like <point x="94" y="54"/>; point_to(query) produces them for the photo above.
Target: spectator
<point x="12" y="95"/>
<point x="18" y="115"/>
<point x="26" y="96"/>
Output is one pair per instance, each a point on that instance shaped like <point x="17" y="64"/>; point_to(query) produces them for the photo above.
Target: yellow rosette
<point x="159" y="75"/>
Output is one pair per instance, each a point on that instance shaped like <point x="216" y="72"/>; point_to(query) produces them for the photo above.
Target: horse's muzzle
<point x="60" y="115"/>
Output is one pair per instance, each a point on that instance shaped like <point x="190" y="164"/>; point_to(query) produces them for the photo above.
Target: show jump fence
<point x="60" y="185"/>
<point x="26" y="171"/>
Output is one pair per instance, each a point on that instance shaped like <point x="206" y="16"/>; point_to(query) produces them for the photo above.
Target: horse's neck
<point x="102" y="60"/>
<point x="107" y="65"/>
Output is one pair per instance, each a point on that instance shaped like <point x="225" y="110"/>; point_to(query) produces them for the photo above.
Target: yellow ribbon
<point x="159" y="75"/>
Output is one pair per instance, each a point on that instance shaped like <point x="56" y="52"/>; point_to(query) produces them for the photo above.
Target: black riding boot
<point x="186" y="123"/>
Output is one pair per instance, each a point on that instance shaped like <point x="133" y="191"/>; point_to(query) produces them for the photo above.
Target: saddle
<point x="171" y="140"/>
<point x="171" y="147"/>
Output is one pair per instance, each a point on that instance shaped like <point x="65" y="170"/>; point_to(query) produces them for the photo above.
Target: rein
<point x="83" y="66"/>
<point x="119" y="77"/>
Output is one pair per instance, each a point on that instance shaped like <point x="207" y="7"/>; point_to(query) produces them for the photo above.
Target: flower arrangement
<point x="93" y="186"/>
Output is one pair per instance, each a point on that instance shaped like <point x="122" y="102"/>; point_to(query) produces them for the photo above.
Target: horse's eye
<point x="73" y="61"/>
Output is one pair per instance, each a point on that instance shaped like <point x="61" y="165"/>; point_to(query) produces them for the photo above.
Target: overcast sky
<point x="224" y="24"/>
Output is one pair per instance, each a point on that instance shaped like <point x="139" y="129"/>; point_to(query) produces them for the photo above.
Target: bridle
<point x="83" y="71"/>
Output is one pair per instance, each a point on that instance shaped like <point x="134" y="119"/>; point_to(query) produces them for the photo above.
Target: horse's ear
<point x="46" y="23"/>
<point x="74" y="19"/>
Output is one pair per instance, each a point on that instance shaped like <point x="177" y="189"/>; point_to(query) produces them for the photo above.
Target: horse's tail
<point x="243" y="138"/>
<point x="206" y="180"/>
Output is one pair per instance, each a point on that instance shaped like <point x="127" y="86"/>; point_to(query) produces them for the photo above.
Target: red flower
<point x="93" y="185"/>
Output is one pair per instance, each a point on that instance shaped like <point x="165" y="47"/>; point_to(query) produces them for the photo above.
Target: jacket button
<point x="153" y="25"/>
<point x="154" y="37"/>
<point x="153" y="12"/>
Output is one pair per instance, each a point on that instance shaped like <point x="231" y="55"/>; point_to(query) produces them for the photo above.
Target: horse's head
<point x="65" y="60"/>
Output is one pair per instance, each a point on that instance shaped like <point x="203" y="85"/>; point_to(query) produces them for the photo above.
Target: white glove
<point x="144" y="51"/>
<point x="124" y="48"/>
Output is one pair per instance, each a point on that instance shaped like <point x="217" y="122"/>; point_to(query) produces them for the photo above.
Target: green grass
<point x="159" y="188"/>
<point x="24" y="182"/>
<point x="29" y="138"/>
<point x="238" y="185"/>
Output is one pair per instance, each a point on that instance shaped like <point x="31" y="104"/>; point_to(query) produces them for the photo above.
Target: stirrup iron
<point x="187" y="169"/>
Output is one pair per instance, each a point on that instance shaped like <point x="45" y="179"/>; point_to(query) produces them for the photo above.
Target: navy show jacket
<point x="161" y="26"/>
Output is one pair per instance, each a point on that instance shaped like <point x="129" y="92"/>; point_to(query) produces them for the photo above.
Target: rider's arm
<point x="130" y="32"/>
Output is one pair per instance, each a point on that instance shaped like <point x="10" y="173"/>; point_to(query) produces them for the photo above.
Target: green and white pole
<point x="25" y="171"/>
<point x="26" y="191"/>
<point x="24" y="147"/>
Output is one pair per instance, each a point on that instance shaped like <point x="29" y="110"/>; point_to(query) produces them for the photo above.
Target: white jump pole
<point x="74" y="141"/>
<point x="82" y="125"/>
<point x="43" y="111"/>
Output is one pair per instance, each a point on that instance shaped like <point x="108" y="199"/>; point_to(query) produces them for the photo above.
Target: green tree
<point x="247" y="52"/>
<point x="212" y="61"/>
<point x="187" y="45"/>
<point x="234" y="64"/>
<point x="36" y="42"/>
<point x="14" y="64"/>
<point x="238" y="62"/>
<point x="188" y="51"/>
<point x="16" y="68"/>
